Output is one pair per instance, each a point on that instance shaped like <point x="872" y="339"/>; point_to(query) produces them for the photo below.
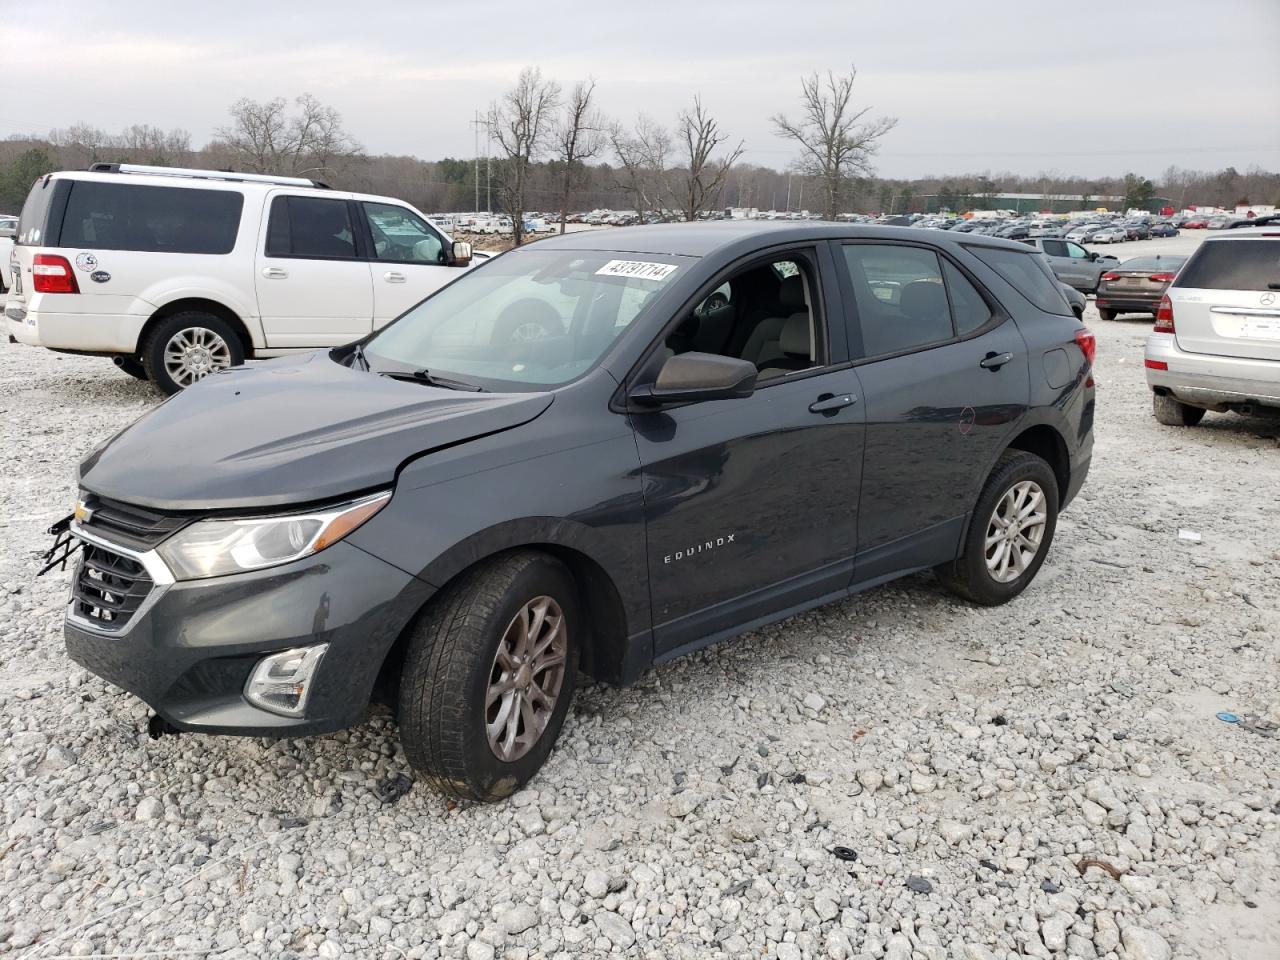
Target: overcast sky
<point x="1072" y="86"/>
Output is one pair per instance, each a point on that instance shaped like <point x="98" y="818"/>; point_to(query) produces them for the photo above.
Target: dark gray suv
<point x="596" y="453"/>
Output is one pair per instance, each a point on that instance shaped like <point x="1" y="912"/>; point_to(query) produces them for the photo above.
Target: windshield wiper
<point x="357" y="353"/>
<point x="431" y="380"/>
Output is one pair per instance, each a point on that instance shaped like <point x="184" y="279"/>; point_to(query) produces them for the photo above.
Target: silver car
<point x="1216" y="342"/>
<point x="1109" y="235"/>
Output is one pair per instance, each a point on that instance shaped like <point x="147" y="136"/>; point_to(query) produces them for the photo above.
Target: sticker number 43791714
<point x="640" y="269"/>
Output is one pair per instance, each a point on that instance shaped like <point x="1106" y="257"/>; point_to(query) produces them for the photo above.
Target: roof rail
<point x="205" y="174"/>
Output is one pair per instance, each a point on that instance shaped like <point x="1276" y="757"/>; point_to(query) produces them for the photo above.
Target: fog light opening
<point x="282" y="681"/>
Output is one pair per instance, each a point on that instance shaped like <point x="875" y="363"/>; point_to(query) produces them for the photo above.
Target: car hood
<point x="296" y="430"/>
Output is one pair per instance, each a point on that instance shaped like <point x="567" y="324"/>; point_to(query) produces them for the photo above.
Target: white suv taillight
<point x="52" y="274"/>
<point x="1164" y="316"/>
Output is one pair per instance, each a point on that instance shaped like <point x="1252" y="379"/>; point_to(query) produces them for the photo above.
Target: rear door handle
<point x="274" y="273"/>
<point x="391" y="276"/>
<point x="994" y="361"/>
<point x="827" y="403"/>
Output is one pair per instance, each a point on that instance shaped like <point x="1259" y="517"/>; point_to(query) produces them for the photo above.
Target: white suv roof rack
<point x="205" y="174"/>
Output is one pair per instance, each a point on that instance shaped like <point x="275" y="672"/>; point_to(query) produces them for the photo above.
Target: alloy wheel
<point x="1015" y="531"/>
<point x="526" y="678"/>
<point x="193" y="353"/>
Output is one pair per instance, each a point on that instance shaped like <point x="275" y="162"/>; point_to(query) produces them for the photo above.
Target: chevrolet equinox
<point x="597" y="452"/>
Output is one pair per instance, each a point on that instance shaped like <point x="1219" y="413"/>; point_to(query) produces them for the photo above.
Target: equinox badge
<point x="699" y="548"/>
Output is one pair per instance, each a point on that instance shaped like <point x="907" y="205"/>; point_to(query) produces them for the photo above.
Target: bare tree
<point x="836" y="142"/>
<point x="148" y="144"/>
<point x="266" y="139"/>
<point x="642" y="155"/>
<point x="705" y="176"/>
<point x="579" y="138"/>
<point x="521" y="124"/>
<point x="81" y="144"/>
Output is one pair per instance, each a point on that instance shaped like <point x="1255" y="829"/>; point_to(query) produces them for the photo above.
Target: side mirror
<point x="1093" y="254"/>
<point x="461" y="253"/>
<point x="688" y="377"/>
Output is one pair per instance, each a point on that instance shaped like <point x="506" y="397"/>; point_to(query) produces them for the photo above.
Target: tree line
<point x="554" y="150"/>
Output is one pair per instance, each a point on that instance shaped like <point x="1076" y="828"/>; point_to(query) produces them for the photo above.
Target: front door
<point x="751" y="505"/>
<point x="313" y="287"/>
<point x="944" y="382"/>
<point x="409" y="259"/>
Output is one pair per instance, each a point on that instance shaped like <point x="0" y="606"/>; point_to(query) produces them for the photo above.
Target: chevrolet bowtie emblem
<point x="82" y="513"/>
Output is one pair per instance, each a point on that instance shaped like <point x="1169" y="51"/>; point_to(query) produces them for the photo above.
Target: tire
<point x="1106" y="314"/>
<point x="970" y="575"/>
<point x="451" y="662"/>
<point x="1175" y="413"/>
<point x="133" y="367"/>
<point x="213" y="337"/>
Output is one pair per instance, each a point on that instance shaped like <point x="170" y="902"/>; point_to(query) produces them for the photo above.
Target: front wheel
<point x="1009" y="534"/>
<point x="188" y="347"/>
<point x="489" y="674"/>
<point x="1174" y="413"/>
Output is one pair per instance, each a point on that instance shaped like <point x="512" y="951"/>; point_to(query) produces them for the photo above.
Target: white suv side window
<point x="312" y="228"/>
<point x="401" y="236"/>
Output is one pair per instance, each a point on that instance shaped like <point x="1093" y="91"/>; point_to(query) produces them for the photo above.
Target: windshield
<point x="527" y="320"/>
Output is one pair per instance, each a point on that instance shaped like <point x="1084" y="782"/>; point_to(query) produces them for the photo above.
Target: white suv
<point x="1216" y="342"/>
<point x="178" y="273"/>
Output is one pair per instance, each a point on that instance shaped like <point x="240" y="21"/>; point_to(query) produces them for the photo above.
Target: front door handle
<point x="828" y="403"/>
<point x="391" y="276"/>
<point x="994" y="361"/>
<point x="274" y="273"/>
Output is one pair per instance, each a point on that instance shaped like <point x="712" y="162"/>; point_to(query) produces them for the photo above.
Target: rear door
<point x="1226" y="300"/>
<point x="409" y="258"/>
<point x="945" y="379"/>
<point x="312" y="280"/>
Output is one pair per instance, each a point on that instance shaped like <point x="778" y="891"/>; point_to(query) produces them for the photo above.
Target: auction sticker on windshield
<point x="640" y="269"/>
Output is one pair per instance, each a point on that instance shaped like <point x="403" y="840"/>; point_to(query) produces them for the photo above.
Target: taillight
<point x="1110" y="276"/>
<point x="1162" y="277"/>
<point x="52" y="274"/>
<point x="1087" y="343"/>
<point x="1164" y="316"/>
<point x="1156" y="365"/>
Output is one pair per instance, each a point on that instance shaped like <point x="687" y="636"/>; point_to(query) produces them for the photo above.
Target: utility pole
<point x="475" y="124"/>
<point x="788" y="193"/>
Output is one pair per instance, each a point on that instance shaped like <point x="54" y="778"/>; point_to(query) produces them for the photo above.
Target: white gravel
<point x="975" y="761"/>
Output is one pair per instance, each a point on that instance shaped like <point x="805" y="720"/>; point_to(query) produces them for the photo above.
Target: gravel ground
<point x="1046" y="779"/>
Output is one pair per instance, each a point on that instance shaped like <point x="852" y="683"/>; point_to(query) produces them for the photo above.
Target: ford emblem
<point x="99" y="276"/>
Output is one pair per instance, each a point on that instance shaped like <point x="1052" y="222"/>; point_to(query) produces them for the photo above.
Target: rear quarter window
<point x="122" y="216"/>
<point x="1233" y="265"/>
<point x="1029" y="274"/>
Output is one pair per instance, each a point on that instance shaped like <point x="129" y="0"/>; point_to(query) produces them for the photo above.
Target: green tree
<point x="16" y="180"/>
<point x="1138" y="191"/>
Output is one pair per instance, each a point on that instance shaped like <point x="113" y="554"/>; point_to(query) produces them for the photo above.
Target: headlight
<point x="214" y="548"/>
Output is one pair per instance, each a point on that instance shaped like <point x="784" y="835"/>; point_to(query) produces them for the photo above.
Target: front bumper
<point x="189" y="650"/>
<point x="1208" y="380"/>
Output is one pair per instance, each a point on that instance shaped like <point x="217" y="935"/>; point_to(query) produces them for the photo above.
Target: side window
<point x="1077" y="252"/>
<point x="1027" y="273"/>
<point x="310" y="227"/>
<point x="763" y="313"/>
<point x="125" y="216"/>
<point x="1055" y="248"/>
<point x="402" y="236"/>
<point x="967" y="306"/>
<point x="900" y="297"/>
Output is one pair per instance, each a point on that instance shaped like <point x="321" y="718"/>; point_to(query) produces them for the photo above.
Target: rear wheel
<point x="1106" y="314"/>
<point x="1175" y="413"/>
<point x="189" y="346"/>
<point x="1009" y="534"/>
<point x="489" y="674"/>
